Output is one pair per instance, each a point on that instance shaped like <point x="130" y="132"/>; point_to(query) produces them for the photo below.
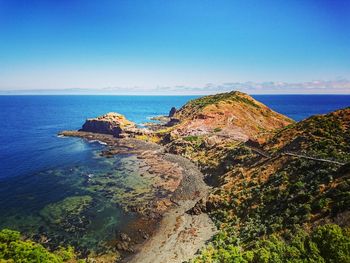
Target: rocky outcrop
<point x="111" y="123"/>
<point x="172" y="112"/>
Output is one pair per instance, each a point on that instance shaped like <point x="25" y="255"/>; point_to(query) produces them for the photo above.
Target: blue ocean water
<point x="42" y="175"/>
<point x="37" y="168"/>
<point x="28" y="136"/>
<point x="299" y="107"/>
<point x="28" y="141"/>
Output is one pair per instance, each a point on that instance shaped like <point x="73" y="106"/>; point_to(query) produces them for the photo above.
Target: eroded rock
<point x="110" y="123"/>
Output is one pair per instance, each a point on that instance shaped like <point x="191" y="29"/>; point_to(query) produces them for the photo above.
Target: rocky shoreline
<point x="248" y="153"/>
<point x="200" y="132"/>
<point x="178" y="185"/>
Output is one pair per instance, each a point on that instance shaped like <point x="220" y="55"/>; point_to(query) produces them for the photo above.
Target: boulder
<point x="110" y="123"/>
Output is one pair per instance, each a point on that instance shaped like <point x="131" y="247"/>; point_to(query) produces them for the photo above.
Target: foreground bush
<point x="328" y="243"/>
<point x="14" y="249"/>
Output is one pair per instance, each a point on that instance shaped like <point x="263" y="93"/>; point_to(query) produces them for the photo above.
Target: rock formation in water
<point x="111" y="123"/>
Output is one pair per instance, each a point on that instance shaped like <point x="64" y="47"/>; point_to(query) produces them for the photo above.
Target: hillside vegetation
<point x="233" y="115"/>
<point x="13" y="248"/>
<point x="269" y="205"/>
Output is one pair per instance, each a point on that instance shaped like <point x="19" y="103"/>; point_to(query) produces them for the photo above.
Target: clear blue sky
<point x="110" y="43"/>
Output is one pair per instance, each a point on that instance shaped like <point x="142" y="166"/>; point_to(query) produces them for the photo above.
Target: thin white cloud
<point x="340" y="86"/>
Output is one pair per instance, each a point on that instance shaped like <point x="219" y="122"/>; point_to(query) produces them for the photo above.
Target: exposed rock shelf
<point x="111" y="123"/>
<point x="178" y="185"/>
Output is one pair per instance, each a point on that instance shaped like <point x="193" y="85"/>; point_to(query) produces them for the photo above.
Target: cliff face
<point x="233" y="115"/>
<point x="110" y="123"/>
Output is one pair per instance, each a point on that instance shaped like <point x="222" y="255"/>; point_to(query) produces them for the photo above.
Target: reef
<point x="68" y="213"/>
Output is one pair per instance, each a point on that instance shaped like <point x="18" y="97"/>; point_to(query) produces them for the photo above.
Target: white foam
<point x="102" y="143"/>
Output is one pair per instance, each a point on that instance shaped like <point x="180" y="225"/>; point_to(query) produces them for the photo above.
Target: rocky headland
<point x="268" y="177"/>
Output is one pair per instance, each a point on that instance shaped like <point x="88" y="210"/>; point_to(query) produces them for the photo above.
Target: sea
<point x="42" y="175"/>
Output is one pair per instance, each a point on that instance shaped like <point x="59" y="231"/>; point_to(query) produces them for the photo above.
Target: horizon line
<point x="177" y="95"/>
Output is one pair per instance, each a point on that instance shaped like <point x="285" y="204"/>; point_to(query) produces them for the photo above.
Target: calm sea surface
<point x="38" y="169"/>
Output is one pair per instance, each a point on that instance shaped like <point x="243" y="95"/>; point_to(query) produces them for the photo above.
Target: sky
<point x="180" y="47"/>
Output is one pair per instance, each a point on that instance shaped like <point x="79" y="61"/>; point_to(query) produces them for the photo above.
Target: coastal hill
<point x="234" y="115"/>
<point x="290" y="193"/>
<point x="322" y="135"/>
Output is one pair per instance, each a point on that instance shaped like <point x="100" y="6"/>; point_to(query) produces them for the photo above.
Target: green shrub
<point x="191" y="138"/>
<point x="328" y="243"/>
<point x="333" y="243"/>
<point x="14" y="249"/>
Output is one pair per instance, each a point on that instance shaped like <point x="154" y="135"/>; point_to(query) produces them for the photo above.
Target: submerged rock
<point x="125" y="237"/>
<point x="69" y="213"/>
<point x="124" y="243"/>
<point x="110" y="123"/>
